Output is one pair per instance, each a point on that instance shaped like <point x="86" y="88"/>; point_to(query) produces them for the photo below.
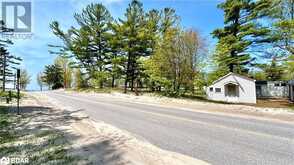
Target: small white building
<point x="233" y="88"/>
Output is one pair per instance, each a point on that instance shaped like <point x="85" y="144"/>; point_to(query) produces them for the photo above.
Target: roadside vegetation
<point x="149" y="51"/>
<point x="9" y="63"/>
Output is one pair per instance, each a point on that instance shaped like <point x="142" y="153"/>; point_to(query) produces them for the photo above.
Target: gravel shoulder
<point x="98" y="142"/>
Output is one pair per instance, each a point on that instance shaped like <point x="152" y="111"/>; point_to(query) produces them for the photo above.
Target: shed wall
<point x="247" y="91"/>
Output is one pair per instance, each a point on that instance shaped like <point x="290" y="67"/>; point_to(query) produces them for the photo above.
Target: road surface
<point x="217" y="139"/>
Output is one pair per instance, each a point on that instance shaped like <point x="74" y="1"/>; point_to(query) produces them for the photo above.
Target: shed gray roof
<point x="233" y="74"/>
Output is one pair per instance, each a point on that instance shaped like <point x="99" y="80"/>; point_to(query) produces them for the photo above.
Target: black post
<point x="14" y="81"/>
<point x="4" y="72"/>
<point x="10" y="95"/>
<point x="18" y="76"/>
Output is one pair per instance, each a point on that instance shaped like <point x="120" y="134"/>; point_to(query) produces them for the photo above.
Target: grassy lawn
<point x="39" y="145"/>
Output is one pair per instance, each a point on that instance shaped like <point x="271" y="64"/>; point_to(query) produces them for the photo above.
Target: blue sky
<point x="202" y="15"/>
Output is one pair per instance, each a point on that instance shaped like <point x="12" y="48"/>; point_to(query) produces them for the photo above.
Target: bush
<point x="57" y="86"/>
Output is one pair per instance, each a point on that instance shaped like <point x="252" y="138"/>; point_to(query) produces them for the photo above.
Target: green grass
<point x="292" y="105"/>
<point x="6" y="120"/>
<point x="5" y="95"/>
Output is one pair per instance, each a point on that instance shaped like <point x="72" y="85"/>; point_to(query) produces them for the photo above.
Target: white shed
<point x="233" y="88"/>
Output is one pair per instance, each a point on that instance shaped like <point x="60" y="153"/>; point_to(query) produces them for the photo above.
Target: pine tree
<point x="117" y="56"/>
<point x="3" y="30"/>
<point x="159" y="67"/>
<point x="8" y="63"/>
<point x="6" y="60"/>
<point x="283" y="26"/>
<point x="90" y="43"/>
<point x="53" y="76"/>
<point x="240" y="33"/>
<point x="136" y="41"/>
<point x="274" y="72"/>
<point x="289" y="71"/>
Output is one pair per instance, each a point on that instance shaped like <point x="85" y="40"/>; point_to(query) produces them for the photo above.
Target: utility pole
<point x="18" y="86"/>
<point x="3" y="54"/>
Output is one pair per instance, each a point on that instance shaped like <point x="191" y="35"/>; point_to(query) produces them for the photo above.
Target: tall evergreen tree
<point x="6" y="60"/>
<point x="240" y="33"/>
<point x="3" y="30"/>
<point x="158" y="67"/>
<point x="8" y="64"/>
<point x="136" y="41"/>
<point x="53" y="76"/>
<point x="90" y="43"/>
<point x="274" y="72"/>
<point x="282" y="11"/>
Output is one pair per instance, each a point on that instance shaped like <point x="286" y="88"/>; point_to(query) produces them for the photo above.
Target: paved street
<point x="217" y="139"/>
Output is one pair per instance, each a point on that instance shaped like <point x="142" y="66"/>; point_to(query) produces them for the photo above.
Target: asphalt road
<point x="217" y="139"/>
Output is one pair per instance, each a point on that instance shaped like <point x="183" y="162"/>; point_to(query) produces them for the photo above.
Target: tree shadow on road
<point x="45" y="136"/>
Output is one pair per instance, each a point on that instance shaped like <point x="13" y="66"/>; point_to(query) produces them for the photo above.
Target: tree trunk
<point x="126" y="85"/>
<point x="132" y="84"/>
<point x="153" y="86"/>
<point x="113" y="81"/>
<point x="136" y="88"/>
<point x="64" y="77"/>
<point x="231" y="66"/>
<point x="127" y="72"/>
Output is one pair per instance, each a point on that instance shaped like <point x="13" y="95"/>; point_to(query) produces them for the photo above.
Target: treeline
<point x="58" y="75"/>
<point x="257" y="39"/>
<point x="9" y="63"/>
<point x="150" y="50"/>
<point x="145" y="49"/>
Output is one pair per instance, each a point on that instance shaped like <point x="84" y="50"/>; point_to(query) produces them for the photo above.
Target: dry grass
<point x="274" y="103"/>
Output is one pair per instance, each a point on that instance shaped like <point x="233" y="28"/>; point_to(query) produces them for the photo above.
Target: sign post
<point x="18" y="86"/>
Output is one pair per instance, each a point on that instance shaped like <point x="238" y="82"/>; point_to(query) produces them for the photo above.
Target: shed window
<point x="218" y="90"/>
<point x="211" y="89"/>
<point x="283" y="84"/>
<point x="277" y="84"/>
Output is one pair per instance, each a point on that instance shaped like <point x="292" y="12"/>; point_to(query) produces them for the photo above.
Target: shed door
<point x="232" y="90"/>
